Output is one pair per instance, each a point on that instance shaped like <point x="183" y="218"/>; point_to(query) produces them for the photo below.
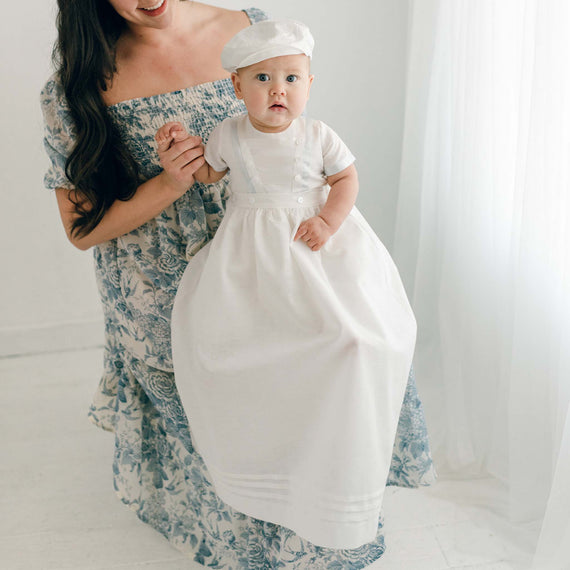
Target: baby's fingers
<point x="301" y="231"/>
<point x="163" y="141"/>
<point x="167" y="133"/>
<point x="178" y="132"/>
<point x="163" y="137"/>
<point x="167" y="128"/>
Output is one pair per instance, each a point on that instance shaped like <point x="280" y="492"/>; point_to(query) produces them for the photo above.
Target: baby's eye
<point x="263" y="77"/>
<point x="292" y="78"/>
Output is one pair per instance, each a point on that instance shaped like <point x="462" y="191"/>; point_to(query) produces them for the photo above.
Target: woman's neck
<point x="187" y="16"/>
<point x="179" y="56"/>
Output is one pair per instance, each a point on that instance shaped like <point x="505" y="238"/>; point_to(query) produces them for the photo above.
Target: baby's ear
<point x="237" y="85"/>
<point x="311" y="77"/>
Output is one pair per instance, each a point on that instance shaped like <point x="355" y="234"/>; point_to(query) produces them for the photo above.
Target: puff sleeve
<point x="214" y="151"/>
<point x="58" y="133"/>
<point x="336" y="155"/>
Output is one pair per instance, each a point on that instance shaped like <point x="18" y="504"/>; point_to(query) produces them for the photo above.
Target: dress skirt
<point x="293" y="365"/>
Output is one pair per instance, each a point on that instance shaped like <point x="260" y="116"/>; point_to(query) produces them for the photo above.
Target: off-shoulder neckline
<point x="126" y="102"/>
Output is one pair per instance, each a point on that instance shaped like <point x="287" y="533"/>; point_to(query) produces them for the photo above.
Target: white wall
<point x="47" y="286"/>
<point x="48" y="297"/>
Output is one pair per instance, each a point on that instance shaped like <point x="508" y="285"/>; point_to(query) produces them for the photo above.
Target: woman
<point x="126" y="67"/>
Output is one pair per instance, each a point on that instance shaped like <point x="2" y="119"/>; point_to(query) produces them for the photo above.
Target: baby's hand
<point x="314" y="232"/>
<point x="180" y="154"/>
<point x="168" y="134"/>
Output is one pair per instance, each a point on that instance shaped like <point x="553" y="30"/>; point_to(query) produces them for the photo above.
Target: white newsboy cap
<point x="266" y="39"/>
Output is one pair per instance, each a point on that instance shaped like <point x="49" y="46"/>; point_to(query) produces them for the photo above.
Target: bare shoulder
<point x="225" y="22"/>
<point x="144" y="70"/>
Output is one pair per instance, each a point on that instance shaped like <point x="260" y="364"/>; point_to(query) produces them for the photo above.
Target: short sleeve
<point x="214" y="148"/>
<point x="58" y="134"/>
<point x="256" y="15"/>
<point x="336" y="155"/>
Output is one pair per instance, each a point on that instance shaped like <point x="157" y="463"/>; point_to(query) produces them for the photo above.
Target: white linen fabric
<point x="482" y="240"/>
<point x="292" y="364"/>
<point x="313" y="148"/>
<point x="264" y="40"/>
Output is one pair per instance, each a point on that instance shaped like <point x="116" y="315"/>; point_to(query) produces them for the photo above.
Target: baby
<point x="276" y="91"/>
<point x="291" y="361"/>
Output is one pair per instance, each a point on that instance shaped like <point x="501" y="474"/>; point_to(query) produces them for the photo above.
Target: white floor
<point x="58" y="509"/>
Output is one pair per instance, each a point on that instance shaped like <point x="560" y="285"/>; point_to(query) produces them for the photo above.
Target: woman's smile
<point x="156" y="9"/>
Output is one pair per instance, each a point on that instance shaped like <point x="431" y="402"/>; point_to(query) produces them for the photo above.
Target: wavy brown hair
<point x="99" y="166"/>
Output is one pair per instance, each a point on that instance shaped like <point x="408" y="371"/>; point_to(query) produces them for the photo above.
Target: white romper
<point x="292" y="364"/>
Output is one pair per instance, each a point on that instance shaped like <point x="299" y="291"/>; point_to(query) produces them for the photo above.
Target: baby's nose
<point x="278" y="89"/>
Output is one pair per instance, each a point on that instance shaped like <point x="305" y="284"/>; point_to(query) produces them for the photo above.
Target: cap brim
<point x="261" y="55"/>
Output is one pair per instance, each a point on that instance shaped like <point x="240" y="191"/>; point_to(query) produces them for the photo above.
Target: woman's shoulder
<point x="234" y="20"/>
<point x="53" y="100"/>
<point x="52" y="90"/>
<point x="253" y="13"/>
<point x="55" y="110"/>
<point x="256" y="14"/>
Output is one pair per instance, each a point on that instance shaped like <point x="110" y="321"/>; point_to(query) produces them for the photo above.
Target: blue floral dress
<point x="157" y="472"/>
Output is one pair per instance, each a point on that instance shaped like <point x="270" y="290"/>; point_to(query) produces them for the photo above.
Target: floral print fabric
<point x="156" y="470"/>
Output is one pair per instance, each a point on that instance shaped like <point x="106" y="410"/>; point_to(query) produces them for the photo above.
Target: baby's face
<point x="275" y="91"/>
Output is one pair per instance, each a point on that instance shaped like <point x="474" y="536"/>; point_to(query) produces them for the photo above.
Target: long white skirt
<point x="292" y="365"/>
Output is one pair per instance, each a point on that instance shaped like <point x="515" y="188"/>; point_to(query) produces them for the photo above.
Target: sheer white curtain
<point x="483" y="245"/>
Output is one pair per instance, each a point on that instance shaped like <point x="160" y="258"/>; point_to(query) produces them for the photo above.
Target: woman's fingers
<point x="180" y="154"/>
<point x="181" y="161"/>
<point x="194" y="164"/>
<point x="179" y="148"/>
<point x="187" y="157"/>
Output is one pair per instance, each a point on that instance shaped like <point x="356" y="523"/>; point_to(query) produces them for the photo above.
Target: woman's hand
<point x="180" y="156"/>
<point x="314" y="232"/>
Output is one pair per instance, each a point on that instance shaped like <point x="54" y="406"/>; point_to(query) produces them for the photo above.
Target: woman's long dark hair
<point x="99" y="166"/>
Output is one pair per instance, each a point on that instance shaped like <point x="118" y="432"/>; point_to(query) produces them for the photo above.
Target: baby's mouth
<point x="278" y="106"/>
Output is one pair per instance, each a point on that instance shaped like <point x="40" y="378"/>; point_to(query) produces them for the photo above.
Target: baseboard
<point x="52" y="337"/>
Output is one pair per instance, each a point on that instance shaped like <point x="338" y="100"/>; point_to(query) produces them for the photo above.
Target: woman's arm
<point x="180" y="162"/>
<point x="317" y="230"/>
<point x="123" y="216"/>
